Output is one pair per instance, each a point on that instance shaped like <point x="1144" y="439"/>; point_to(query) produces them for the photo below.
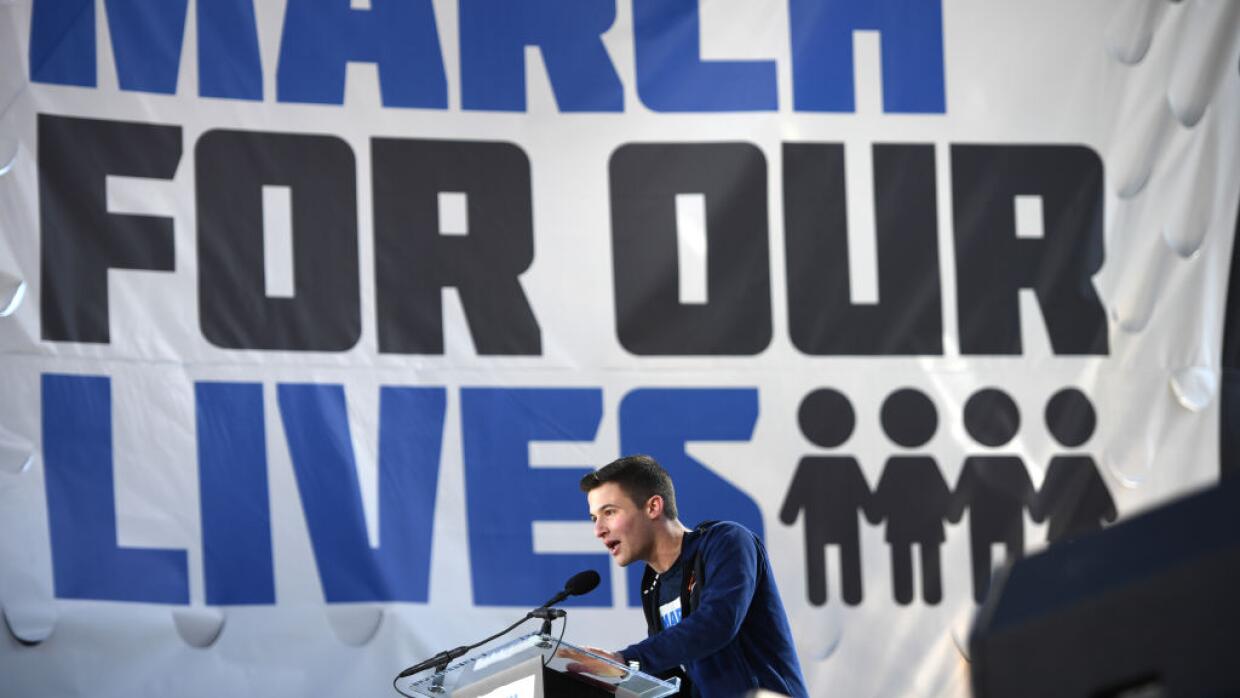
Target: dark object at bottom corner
<point x="1147" y="608"/>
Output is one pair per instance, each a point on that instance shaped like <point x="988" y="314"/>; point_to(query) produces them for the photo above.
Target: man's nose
<point x="599" y="529"/>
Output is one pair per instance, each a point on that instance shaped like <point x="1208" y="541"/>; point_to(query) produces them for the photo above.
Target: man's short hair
<point x="640" y="477"/>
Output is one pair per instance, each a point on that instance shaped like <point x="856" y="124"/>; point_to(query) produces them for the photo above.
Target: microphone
<point x="578" y="584"/>
<point x="439" y="659"/>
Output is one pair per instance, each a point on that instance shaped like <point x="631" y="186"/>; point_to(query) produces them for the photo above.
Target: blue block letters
<point x="494" y="34"/>
<point x="322" y="36"/>
<point x="410" y="437"/>
<point x="232" y="485"/>
<point x="912" y="53"/>
<point x="87" y="562"/>
<point x="671" y="75"/>
<point x="505" y="495"/>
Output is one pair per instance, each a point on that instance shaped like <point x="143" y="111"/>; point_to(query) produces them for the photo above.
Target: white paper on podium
<point x="521" y="688"/>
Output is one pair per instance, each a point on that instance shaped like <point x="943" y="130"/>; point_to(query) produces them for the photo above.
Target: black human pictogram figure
<point x="911" y="496"/>
<point x="995" y="488"/>
<point x="1073" y="495"/>
<point x="830" y="490"/>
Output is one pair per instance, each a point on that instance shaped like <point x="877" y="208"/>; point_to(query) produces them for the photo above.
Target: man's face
<point x="626" y="529"/>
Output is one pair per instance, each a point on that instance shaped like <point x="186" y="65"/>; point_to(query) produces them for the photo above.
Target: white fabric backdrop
<point x="1150" y="87"/>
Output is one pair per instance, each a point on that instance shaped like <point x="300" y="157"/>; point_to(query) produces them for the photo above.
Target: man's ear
<point x="654" y="506"/>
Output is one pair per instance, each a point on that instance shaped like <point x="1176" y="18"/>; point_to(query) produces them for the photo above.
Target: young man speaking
<point x="710" y="599"/>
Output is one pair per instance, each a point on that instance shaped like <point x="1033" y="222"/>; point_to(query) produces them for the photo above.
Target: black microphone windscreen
<point x="582" y="582"/>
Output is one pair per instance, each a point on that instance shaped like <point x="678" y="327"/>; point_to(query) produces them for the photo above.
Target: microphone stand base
<point x="437" y="679"/>
<point x="545" y="633"/>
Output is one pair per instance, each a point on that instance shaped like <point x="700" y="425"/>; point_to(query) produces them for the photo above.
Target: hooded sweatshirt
<point x="733" y="636"/>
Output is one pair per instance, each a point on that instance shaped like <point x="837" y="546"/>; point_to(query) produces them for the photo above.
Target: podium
<point x="533" y="666"/>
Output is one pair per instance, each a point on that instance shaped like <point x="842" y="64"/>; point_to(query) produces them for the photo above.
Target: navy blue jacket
<point x="733" y="635"/>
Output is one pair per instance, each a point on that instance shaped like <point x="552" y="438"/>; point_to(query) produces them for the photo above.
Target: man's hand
<point x="613" y="656"/>
<point x="581" y="663"/>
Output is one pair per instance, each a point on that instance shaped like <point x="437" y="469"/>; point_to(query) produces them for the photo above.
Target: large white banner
<point x="314" y="312"/>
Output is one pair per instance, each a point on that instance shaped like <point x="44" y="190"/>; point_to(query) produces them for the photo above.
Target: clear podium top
<point x="468" y="676"/>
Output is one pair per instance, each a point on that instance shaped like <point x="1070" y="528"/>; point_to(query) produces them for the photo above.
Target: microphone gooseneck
<point x="578" y="584"/>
